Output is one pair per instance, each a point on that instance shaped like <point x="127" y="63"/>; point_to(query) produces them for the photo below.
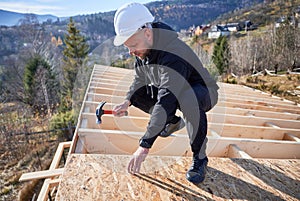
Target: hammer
<point x="100" y="112"/>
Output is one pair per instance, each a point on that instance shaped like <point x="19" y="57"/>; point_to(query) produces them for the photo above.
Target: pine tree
<point x="75" y="52"/>
<point x="39" y="84"/>
<point x="221" y="54"/>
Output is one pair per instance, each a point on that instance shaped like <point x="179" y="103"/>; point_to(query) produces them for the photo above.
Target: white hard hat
<point x="128" y="19"/>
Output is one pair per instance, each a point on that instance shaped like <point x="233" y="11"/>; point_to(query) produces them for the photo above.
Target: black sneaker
<point x="171" y="128"/>
<point x="196" y="174"/>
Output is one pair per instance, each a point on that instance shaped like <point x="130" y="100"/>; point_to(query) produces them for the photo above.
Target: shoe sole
<point x="182" y="125"/>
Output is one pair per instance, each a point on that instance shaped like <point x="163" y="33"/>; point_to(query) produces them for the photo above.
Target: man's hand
<point x="119" y="110"/>
<point x="138" y="157"/>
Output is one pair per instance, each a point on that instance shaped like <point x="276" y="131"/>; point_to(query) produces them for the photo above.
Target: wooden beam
<point x="41" y="174"/>
<point x="213" y="116"/>
<point x="90" y="107"/>
<point x="231" y="97"/>
<point x="257" y="148"/>
<point x="112" y="81"/>
<point x="107" y="69"/>
<point x="108" y="91"/>
<point x="93" y="97"/>
<point x="251" y="120"/>
<point x="245" y="105"/>
<point x="259" y="99"/>
<point x="139" y="124"/>
<point x="112" y="86"/>
<point x="289" y="136"/>
<point x="268" y="102"/>
<point x="114" y="77"/>
<point x="235" y="152"/>
<point x="123" y="142"/>
<point x="255" y="132"/>
<point x="48" y="184"/>
<point x="271" y="124"/>
<point x="58" y="154"/>
<point x="258" y="107"/>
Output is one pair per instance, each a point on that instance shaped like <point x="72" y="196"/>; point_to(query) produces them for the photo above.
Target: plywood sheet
<point x="104" y="177"/>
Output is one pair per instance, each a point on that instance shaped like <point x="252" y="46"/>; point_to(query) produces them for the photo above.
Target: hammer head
<point x="99" y="112"/>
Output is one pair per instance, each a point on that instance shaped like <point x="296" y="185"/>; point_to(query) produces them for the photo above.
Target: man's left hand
<point x="138" y="157"/>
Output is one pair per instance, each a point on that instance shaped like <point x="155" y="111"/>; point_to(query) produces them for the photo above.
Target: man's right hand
<point x="138" y="157"/>
<point x="119" y="110"/>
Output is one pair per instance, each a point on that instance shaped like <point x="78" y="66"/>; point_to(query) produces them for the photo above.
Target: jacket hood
<point x="163" y="36"/>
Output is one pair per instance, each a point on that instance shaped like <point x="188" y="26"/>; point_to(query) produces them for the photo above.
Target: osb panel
<point x="104" y="177"/>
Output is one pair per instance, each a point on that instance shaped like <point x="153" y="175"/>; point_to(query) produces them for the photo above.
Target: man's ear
<point x="148" y="35"/>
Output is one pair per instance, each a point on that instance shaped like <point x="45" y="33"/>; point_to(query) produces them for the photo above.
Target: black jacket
<point x="172" y="67"/>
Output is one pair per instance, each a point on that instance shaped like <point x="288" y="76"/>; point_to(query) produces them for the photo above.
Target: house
<point x="218" y="30"/>
<point x="234" y="27"/>
<point x="292" y="20"/>
<point x="280" y="21"/>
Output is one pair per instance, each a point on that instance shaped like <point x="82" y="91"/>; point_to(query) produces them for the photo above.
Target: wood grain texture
<point x="98" y="177"/>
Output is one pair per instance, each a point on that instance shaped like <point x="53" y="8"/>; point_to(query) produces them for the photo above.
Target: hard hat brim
<point x="120" y="40"/>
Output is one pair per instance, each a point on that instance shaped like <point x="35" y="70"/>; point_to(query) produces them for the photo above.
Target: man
<point x="169" y="76"/>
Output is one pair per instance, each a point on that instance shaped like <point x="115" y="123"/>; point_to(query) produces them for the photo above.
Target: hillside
<point x="262" y="13"/>
<point x="185" y="13"/>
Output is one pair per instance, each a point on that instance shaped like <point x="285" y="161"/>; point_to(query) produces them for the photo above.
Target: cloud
<point x="24" y="7"/>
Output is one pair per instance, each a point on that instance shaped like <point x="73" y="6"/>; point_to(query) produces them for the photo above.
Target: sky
<point x="64" y="8"/>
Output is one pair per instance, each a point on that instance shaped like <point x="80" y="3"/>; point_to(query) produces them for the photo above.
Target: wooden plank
<point x="58" y="154"/>
<point x="108" y="91"/>
<point x="117" y="92"/>
<point x="235" y="152"/>
<point x="41" y="174"/>
<point x="118" y="142"/>
<point x="75" y="136"/>
<point x="269" y="103"/>
<point x="139" y="124"/>
<point x="105" y="177"/>
<point x="258" y="107"/>
<point x="104" y="83"/>
<point x="121" y="82"/>
<point x="48" y="184"/>
<point x="257" y="148"/>
<point x="271" y="124"/>
<point x="102" y="68"/>
<point x="112" y="85"/>
<point x="255" y="132"/>
<point x="93" y="97"/>
<point x="260" y="99"/>
<point x="115" y="77"/>
<point x="107" y="83"/>
<point x="289" y="136"/>
<point x="212" y="117"/>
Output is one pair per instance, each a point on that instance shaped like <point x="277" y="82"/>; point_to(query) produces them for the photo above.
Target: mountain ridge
<point x="10" y="18"/>
<point x="179" y="14"/>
